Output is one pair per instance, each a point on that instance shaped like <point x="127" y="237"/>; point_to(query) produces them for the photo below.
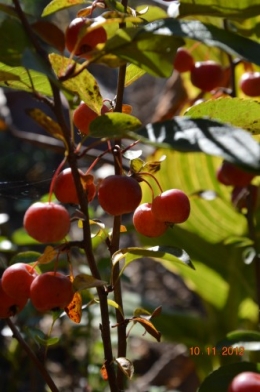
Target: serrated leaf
<point x="74" y="308"/>
<point x="48" y="255"/>
<point x="243" y="113"/>
<point x="83" y="85"/>
<point x="47" y="123"/>
<point x="57" y="5"/>
<point x="113" y="125"/>
<point x="203" y="135"/>
<point x="84" y="281"/>
<point x="163" y="254"/>
<point x="126" y="366"/>
<point x="219" y="380"/>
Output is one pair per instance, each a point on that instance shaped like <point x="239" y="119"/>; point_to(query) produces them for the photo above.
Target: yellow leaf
<point x="48" y="255"/>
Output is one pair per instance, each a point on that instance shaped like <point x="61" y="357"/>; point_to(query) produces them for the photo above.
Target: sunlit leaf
<point x="237" y="9"/>
<point x="113" y="125"/>
<point x="115" y="305"/>
<point x="83" y="85"/>
<point x="133" y="73"/>
<point x="163" y="254"/>
<point x="5" y="76"/>
<point x="140" y="312"/>
<point x="74" y="308"/>
<point x="57" y="5"/>
<point x="204" y="135"/>
<point x="48" y="255"/>
<point x="84" y="281"/>
<point x="243" y="113"/>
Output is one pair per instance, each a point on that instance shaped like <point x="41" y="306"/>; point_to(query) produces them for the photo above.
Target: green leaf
<point x="208" y="136"/>
<point x="163" y="254"/>
<point x="46" y="342"/>
<point x="57" y="5"/>
<point x="13" y="42"/>
<point x="236" y="9"/>
<point x="25" y="257"/>
<point x="83" y="85"/>
<point x="150" y="47"/>
<point x="211" y="36"/>
<point x="23" y="80"/>
<point x="113" y="125"/>
<point x="219" y="380"/>
<point x="249" y="340"/>
<point x="133" y="73"/>
<point x="243" y="113"/>
<point x="5" y="76"/>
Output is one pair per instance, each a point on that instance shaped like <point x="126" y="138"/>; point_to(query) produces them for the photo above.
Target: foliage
<point x="216" y="251"/>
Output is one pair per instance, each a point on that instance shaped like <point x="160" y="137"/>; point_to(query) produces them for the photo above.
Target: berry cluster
<point x="232" y="175"/>
<point x="205" y="75"/>
<point x="47" y="291"/>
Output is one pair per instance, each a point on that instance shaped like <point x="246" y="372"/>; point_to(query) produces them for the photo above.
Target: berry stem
<point x="57" y="172"/>
<point x="16" y="334"/>
<point x="153" y="177"/>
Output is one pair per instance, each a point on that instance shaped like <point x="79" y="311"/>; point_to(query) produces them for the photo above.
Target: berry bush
<point x="181" y="191"/>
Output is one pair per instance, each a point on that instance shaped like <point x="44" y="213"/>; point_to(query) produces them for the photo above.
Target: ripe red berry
<point x="183" y="61"/>
<point x="250" y="84"/>
<point x="172" y="206"/>
<point x="245" y="382"/>
<point x="83" y="116"/>
<point x="51" y="291"/>
<point x="230" y="174"/>
<point x="17" y="279"/>
<point x="81" y="43"/>
<point x="10" y="306"/>
<point x="206" y="75"/>
<point x="119" y="195"/>
<point x="65" y="189"/>
<point x="146" y="223"/>
<point x="47" y="222"/>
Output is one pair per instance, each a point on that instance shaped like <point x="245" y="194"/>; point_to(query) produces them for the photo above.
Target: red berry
<point x="119" y="195"/>
<point x="10" y="306"/>
<point x="230" y="174"/>
<point x="47" y="222"/>
<point x="172" y="206"/>
<point x="146" y="223"/>
<point x="250" y="84"/>
<point x="206" y="75"/>
<point x="65" y="189"/>
<point x="78" y="41"/>
<point x="83" y="116"/>
<point x="245" y="382"/>
<point x="183" y="61"/>
<point x="51" y="291"/>
<point x="17" y="279"/>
